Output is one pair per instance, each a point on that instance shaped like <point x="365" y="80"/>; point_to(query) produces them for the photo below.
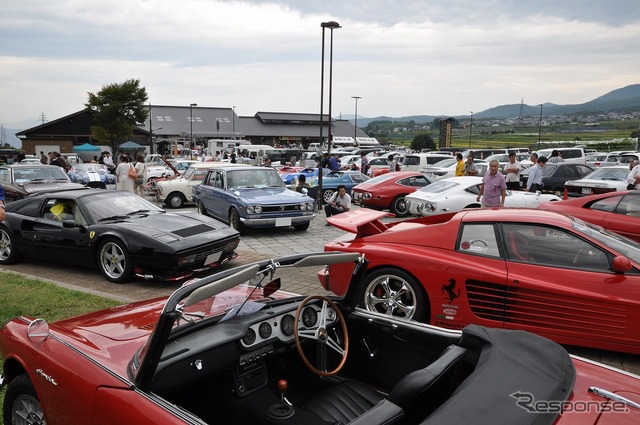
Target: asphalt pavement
<point x="255" y="245"/>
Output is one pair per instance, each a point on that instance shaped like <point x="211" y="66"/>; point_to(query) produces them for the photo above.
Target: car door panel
<point x="50" y="240"/>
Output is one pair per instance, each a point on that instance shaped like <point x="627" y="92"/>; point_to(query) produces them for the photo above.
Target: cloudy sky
<point x="403" y="57"/>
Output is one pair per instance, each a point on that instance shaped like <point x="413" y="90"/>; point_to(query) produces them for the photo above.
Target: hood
<point x="36" y="187"/>
<point x="271" y="196"/>
<point x="180" y="225"/>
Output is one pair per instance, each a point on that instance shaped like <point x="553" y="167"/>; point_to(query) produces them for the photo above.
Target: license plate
<point x="282" y="222"/>
<point x="212" y="258"/>
<point x="586" y="191"/>
<point x="111" y="186"/>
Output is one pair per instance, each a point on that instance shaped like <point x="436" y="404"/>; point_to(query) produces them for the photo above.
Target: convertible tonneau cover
<point x="509" y="363"/>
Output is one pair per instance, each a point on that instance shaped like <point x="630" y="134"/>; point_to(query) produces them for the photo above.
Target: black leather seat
<point x="416" y="396"/>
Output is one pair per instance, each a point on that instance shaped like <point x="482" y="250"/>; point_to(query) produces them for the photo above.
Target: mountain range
<point x="626" y="99"/>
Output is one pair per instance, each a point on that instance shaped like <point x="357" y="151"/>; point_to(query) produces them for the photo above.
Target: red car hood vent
<point x="527" y="307"/>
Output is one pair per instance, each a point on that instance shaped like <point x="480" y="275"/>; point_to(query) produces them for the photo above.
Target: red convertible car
<point x="232" y="349"/>
<point x="528" y="269"/>
<point x="388" y="191"/>
<point x="615" y="211"/>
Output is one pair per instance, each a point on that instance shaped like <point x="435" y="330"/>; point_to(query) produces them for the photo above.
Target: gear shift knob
<point x="282" y="386"/>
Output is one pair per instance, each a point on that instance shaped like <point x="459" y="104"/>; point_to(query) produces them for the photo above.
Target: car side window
<point x="607" y="204"/>
<point x="218" y="180"/>
<point x="552" y="246"/>
<point x="478" y="239"/>
<point x="630" y="206"/>
<point x="5" y="176"/>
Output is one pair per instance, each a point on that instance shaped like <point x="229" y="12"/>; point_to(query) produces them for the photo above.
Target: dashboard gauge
<point x="250" y="337"/>
<point x="264" y="330"/>
<point x="309" y="317"/>
<point x="286" y="324"/>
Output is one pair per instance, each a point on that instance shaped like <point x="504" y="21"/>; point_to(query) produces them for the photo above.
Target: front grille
<point x="280" y="208"/>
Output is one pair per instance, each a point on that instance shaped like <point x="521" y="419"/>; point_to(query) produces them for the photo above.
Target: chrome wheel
<point x="327" y="194"/>
<point x="394" y="293"/>
<point x="114" y="261"/>
<point x="8" y="253"/>
<point x="399" y="206"/>
<point x="235" y="222"/>
<point x="26" y="410"/>
<point x="175" y="200"/>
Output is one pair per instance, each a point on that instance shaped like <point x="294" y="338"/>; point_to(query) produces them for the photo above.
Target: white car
<point x="457" y="193"/>
<point x="602" y="180"/>
<point x="177" y="192"/>
<point x="447" y="168"/>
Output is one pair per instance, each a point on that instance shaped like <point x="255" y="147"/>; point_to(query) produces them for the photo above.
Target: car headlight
<point x="430" y="208"/>
<point x="366" y="196"/>
<point x="311" y="206"/>
<point x="254" y="209"/>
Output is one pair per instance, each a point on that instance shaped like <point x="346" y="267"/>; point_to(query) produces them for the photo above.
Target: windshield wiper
<point x="137" y="212"/>
<point x="113" y="217"/>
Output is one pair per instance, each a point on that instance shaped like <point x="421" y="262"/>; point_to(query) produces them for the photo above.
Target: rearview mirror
<point x="621" y="264"/>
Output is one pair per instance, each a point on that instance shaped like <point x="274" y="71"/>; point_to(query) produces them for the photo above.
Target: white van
<point x="574" y="154"/>
<point x="228" y="145"/>
<point x="418" y="161"/>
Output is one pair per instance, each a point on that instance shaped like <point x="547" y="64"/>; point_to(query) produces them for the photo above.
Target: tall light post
<point x="191" y="131"/>
<point x="233" y="120"/>
<point x="355" y="125"/>
<point x="470" y="129"/>
<point x="331" y="25"/>
<point x="540" y="127"/>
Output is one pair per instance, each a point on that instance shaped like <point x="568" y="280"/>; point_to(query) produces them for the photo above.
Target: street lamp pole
<point x="331" y="25"/>
<point x="233" y="120"/>
<point x="191" y="131"/>
<point x="540" y="127"/>
<point x="355" y="125"/>
<point x="470" y="129"/>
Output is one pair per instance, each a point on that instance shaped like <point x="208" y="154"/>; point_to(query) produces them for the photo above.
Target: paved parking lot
<point x="254" y="246"/>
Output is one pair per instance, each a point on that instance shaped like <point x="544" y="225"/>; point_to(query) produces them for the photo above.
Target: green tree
<point x="422" y="141"/>
<point x="116" y="109"/>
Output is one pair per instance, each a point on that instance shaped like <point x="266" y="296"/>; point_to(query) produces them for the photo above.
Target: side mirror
<point x="621" y="264"/>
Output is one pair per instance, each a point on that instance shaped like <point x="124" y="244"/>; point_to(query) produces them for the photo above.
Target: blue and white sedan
<point x="248" y="196"/>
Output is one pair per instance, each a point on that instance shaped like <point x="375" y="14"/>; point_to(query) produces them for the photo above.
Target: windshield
<point x="253" y="178"/>
<point x="624" y="246"/>
<point x="439" y="186"/>
<point x="609" y="173"/>
<point x="123" y="203"/>
<point x="381" y="178"/>
<point x="24" y="175"/>
<point x="89" y="167"/>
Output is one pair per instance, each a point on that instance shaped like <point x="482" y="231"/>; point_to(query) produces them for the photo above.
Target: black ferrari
<point x="122" y="233"/>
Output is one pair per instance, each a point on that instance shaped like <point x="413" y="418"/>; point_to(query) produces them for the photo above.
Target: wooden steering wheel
<point x="319" y="333"/>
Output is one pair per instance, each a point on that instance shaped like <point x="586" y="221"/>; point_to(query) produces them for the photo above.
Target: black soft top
<point x="508" y="362"/>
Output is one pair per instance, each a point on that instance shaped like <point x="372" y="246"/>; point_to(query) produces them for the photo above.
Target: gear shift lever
<point x="284" y="409"/>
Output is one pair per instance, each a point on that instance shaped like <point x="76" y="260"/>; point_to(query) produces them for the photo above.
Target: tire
<point x="21" y="403"/>
<point x="114" y="261"/>
<point x="201" y="209"/>
<point x="327" y="194"/>
<point x="373" y="295"/>
<point x="301" y="227"/>
<point x="8" y="252"/>
<point x="175" y="200"/>
<point x="234" y="221"/>
<point x="399" y="206"/>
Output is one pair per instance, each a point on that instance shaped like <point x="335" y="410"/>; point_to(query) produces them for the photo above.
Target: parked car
<point x="233" y="348"/>
<point x="555" y="175"/>
<point x="92" y="175"/>
<point x="388" y="191"/>
<point x="378" y="165"/>
<point x="175" y="193"/>
<point x="615" y="211"/>
<point x="22" y="180"/>
<point x="528" y="269"/>
<point x="601" y="180"/>
<point x="457" y="193"/>
<point x="332" y="180"/>
<point x="119" y="232"/>
<point x="249" y="196"/>
<point x="602" y="159"/>
<point x="292" y="177"/>
<point x="574" y="155"/>
<point x="418" y="161"/>
<point x="447" y="168"/>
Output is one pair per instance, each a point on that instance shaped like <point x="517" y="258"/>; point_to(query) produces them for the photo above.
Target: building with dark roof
<point x="166" y="124"/>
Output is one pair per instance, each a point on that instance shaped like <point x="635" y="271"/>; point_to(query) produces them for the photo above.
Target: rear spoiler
<point x="361" y="221"/>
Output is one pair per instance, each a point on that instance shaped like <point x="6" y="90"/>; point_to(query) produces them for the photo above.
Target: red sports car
<point x="540" y="271"/>
<point x="219" y="351"/>
<point x="615" y="211"/>
<point x="387" y="191"/>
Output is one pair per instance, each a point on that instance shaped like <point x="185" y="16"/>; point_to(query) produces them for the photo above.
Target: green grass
<point x="22" y="296"/>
